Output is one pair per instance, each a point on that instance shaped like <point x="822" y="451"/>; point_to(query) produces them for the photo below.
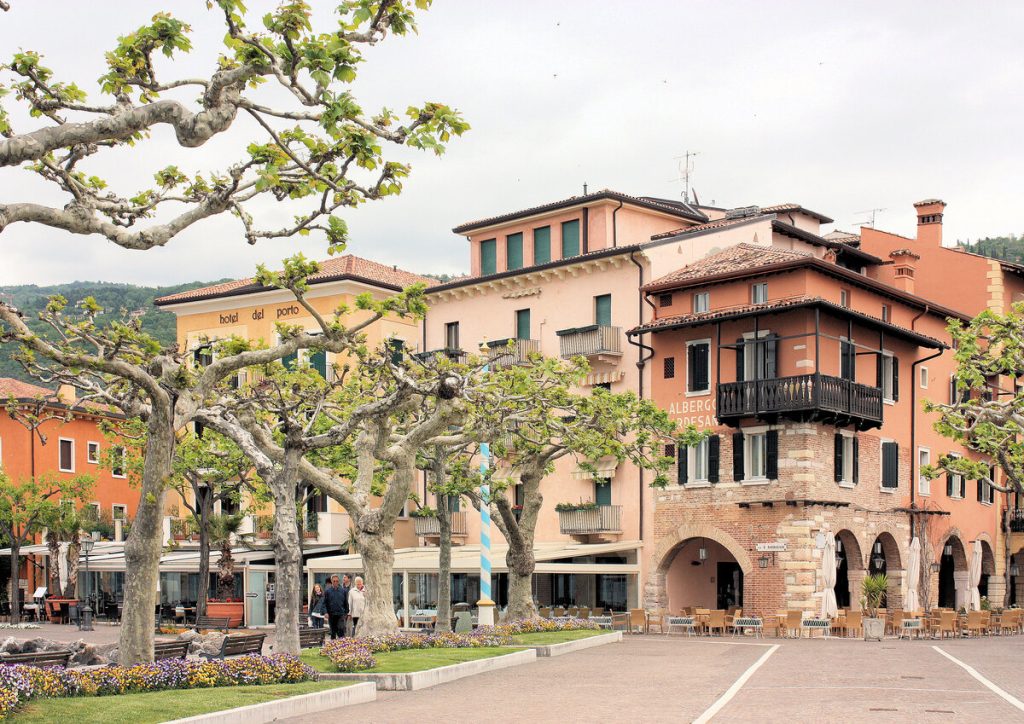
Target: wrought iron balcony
<point x="501" y="354"/>
<point x="595" y="521"/>
<point x="802" y="397"/>
<point x="1017" y="520"/>
<point x="595" y="340"/>
<point x="455" y="355"/>
<point x="430" y="527"/>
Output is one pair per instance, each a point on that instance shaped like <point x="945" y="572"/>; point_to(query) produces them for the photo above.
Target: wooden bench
<point x="39" y="658"/>
<point x="310" y="637"/>
<point x="212" y="622"/>
<point x="170" y="650"/>
<point x="238" y="645"/>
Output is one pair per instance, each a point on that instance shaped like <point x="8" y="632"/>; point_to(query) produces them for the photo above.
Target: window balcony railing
<point x="591" y="341"/>
<point x="507" y="352"/>
<point x="1017" y="520"/>
<point x="807" y="397"/>
<point x="455" y="355"/>
<point x="602" y="519"/>
<point x="430" y="527"/>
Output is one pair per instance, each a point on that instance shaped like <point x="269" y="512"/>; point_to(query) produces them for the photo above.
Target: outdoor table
<point x="910" y="625"/>
<point x="686" y="622"/>
<point x="602" y="621"/>
<point x="741" y="624"/>
<point x="822" y="624"/>
<point x="34" y="608"/>
<point x="422" y="621"/>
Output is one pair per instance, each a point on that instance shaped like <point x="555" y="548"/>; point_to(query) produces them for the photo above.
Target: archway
<point x="988" y="567"/>
<point x="884" y="559"/>
<point x="952" y="572"/>
<point x="702" y="573"/>
<point x="849" y="569"/>
<point x="667" y="552"/>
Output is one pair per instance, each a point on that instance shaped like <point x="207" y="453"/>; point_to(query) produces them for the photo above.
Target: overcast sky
<point x="839" y="107"/>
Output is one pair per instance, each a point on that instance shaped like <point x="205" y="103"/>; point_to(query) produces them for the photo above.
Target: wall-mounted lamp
<point x="948" y="549"/>
<point x="762" y="562"/>
<point x="936" y="567"/>
<point x="878" y="547"/>
<point x="702" y="552"/>
<point x="839" y="545"/>
<point x="1014" y="570"/>
<point x="839" y="561"/>
<point x="878" y="561"/>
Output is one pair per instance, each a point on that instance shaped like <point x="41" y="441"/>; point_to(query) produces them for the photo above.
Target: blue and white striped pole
<point x="485" y="606"/>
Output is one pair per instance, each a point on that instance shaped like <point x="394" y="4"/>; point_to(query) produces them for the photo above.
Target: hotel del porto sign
<point x="290" y="310"/>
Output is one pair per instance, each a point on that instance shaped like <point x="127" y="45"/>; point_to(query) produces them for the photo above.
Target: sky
<point x="841" y="107"/>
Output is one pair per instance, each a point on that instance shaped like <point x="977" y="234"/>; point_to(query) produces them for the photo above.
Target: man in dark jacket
<point x="346" y="586"/>
<point x="336" y="602"/>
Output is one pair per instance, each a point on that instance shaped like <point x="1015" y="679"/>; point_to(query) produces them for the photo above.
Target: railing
<point x="596" y="339"/>
<point x="264" y="525"/>
<point x="500" y="354"/>
<point x="431" y="526"/>
<point x="800" y="393"/>
<point x="1017" y="520"/>
<point x="602" y="519"/>
<point x="455" y="355"/>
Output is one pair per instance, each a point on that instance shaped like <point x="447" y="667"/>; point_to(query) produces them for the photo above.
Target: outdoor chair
<point x="74" y="616"/>
<point x="794" y="621"/>
<point x="975" y="624"/>
<point x="716" y="622"/>
<point x="1009" y="622"/>
<point x="896" y="622"/>
<point x="946" y="624"/>
<point x="854" y="623"/>
<point x="638" y="620"/>
<point x="656" y="618"/>
<point x="780" y="623"/>
<point x="734" y="613"/>
<point x="986" y="622"/>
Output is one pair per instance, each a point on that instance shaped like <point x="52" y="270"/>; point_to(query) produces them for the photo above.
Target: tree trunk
<point x="378" y="552"/>
<point x="15" y="575"/>
<point x="73" y="554"/>
<point x="520" y="563"/>
<point x="203" y="593"/>
<point x="53" y="545"/>
<point x="143" y="548"/>
<point x="287" y="558"/>
<point x="520" y="534"/>
<point x="444" y="582"/>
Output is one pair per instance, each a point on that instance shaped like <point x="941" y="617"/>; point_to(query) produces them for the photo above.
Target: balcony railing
<point x="501" y="354"/>
<point x="801" y="396"/>
<point x="455" y="355"/>
<point x="590" y="341"/>
<point x="602" y="519"/>
<point x="1017" y="520"/>
<point x="430" y="527"/>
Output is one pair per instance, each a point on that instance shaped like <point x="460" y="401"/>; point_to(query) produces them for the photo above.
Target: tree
<point x="315" y="148"/>
<point x="26" y="507"/>
<point x="223" y="532"/>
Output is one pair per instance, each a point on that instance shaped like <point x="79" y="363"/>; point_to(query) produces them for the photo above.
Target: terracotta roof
<point x="10" y="387"/>
<point x="842" y="237"/>
<point x="695" y="320"/>
<point x="839" y="247"/>
<point x="333" y="269"/>
<point x="676" y="208"/>
<point x="711" y="225"/>
<point x="929" y="202"/>
<point x="782" y="208"/>
<point x="741" y="257"/>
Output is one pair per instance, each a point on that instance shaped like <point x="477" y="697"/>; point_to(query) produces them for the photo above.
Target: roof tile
<point x="741" y="257"/>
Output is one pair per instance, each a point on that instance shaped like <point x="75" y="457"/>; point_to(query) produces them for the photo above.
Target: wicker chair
<point x="716" y="621"/>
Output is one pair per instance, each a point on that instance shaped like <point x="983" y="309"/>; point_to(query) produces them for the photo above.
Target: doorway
<point x="730" y="585"/>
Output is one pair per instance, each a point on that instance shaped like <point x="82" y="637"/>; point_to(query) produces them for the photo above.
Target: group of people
<point x="339" y="604"/>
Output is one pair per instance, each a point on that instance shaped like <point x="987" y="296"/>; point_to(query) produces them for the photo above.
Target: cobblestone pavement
<point x="672" y="679"/>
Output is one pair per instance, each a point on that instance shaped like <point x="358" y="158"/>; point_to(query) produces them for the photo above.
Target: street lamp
<point x="85" y="623"/>
<point x="485" y="606"/>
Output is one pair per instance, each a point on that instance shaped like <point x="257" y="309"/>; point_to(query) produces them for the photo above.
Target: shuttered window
<point x="489" y="256"/>
<point x="318" y="361"/>
<point x="890" y="465"/>
<point x="847" y="360"/>
<point x="700" y="463"/>
<point x="738" y="465"/>
<point x="514" y="251"/>
<point x="602" y="491"/>
<point x="451" y="335"/>
<point x="755" y="456"/>
<point x="67" y="455"/>
<point x="570" y="238"/>
<point x="956" y="485"/>
<point x="542" y="245"/>
<point x="698" y="370"/>
<point x="889" y="376"/>
<point x="603" y="310"/>
<point x="847" y="459"/>
<point x="523" y="324"/>
<point x="757" y="359"/>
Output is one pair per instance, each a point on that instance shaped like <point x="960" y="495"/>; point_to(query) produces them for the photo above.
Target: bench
<point x="238" y="645"/>
<point x="212" y="622"/>
<point x="310" y="637"/>
<point x="822" y="624"/>
<point x="602" y="621"/>
<point x="170" y="650"/>
<point x="742" y="623"/>
<point x="909" y="625"/>
<point x="687" y="623"/>
<point x="39" y="658"/>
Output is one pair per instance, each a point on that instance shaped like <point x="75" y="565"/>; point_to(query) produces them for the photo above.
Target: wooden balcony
<point x="593" y="341"/>
<point x="818" y="398"/>
<point x="512" y="351"/>
<point x="430" y="527"/>
<point x="600" y="522"/>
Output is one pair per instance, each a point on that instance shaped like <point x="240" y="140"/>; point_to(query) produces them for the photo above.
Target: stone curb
<point x="269" y="711"/>
<point x="432" y="677"/>
<point x="578" y="645"/>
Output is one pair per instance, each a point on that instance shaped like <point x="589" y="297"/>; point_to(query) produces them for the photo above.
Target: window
<point x="117" y="462"/>
<point x="514" y="251"/>
<point x="96" y="509"/>
<point x="986" y="493"/>
<point x="92" y="452"/>
<point x="924" y="458"/>
<point x="670" y="367"/>
<point x="522" y="324"/>
<point x="699" y="464"/>
<point x="890" y="465"/>
<point x="701" y="302"/>
<point x="542" y="245"/>
<point x="886" y="313"/>
<point x="956" y="394"/>
<point x="451" y="335"/>
<point x="120" y="512"/>
<point x="759" y="293"/>
<point x="604" y="386"/>
<point x="67" y="455"/>
<point x="603" y="310"/>
<point x="757" y="359"/>
<point x="847" y="462"/>
<point x="202" y="355"/>
<point x="956" y="485"/>
<point x="489" y="256"/>
<point x="664" y="300"/>
<point x="844" y="298"/>
<point x="318" y="361"/>
<point x="603" y="491"/>
<point x="755" y="456"/>
<point x="922" y="376"/>
<point x="698" y="366"/>
<point x="847" y="359"/>
<point x="889" y="376"/>
<point x="570" y="238"/>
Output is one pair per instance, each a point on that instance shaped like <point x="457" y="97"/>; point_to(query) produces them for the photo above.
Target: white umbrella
<point x="913" y="576"/>
<point x="974" y="576"/>
<point x="829" y="609"/>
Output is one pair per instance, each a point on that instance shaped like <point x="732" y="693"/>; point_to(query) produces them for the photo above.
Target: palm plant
<point x="873" y="589"/>
<point x="224" y="529"/>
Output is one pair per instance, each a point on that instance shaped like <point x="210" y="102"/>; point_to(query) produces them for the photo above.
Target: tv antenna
<point x="685" y="163"/>
<point x="873" y="212"/>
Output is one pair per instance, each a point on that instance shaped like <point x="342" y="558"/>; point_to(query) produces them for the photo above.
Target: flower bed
<point x="356" y="654"/>
<point x="19" y="684"/>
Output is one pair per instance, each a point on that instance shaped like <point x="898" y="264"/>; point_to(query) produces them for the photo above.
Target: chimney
<point x="929" y="221"/>
<point x="904" y="263"/>
<point x="67" y="394"/>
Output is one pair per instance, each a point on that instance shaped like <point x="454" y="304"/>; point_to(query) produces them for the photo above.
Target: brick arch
<point x="852" y="549"/>
<point x="665" y="551"/>
<point x="988" y="556"/>
<point x="959" y="548"/>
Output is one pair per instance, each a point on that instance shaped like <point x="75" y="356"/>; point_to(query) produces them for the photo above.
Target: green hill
<point x="1007" y="248"/>
<point x="31" y="299"/>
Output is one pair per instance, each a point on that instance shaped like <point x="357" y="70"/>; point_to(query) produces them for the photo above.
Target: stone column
<point x="962" y="588"/>
<point x="856" y="577"/>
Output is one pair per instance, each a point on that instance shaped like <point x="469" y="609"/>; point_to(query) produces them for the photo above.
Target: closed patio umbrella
<point x="913" y="602"/>
<point x="829" y="609"/>
<point x="974" y="573"/>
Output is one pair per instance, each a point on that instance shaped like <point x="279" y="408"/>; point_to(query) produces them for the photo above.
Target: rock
<point x="85" y="656"/>
<point x="10" y="645"/>
<point x="188" y="636"/>
<point x="114" y="654"/>
<point x="33" y="645"/>
<point x="210" y="644"/>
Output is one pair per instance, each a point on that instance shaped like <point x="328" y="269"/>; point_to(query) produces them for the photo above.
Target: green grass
<point x="161" y="706"/>
<point x="404" y="662"/>
<point x="545" y="638"/>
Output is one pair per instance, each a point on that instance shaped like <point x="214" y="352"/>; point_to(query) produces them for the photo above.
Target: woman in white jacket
<point x="356" y="603"/>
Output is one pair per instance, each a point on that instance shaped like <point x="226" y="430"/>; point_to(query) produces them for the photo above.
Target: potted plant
<point x="872" y="590"/>
<point x="179" y="530"/>
<point x="223" y="530"/>
<point x="573" y="507"/>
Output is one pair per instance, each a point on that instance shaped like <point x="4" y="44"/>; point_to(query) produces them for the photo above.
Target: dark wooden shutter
<point x="981" y="490"/>
<point x="681" y="465"/>
<point x="697" y="368"/>
<point x="963" y="487"/>
<point x="737" y="456"/>
<point x="691" y="367"/>
<point x="890" y="465"/>
<point x="771" y="357"/>
<point x="714" y="455"/>
<point x="740" y="348"/>
<point x="838" y="457"/>
<point x="771" y="463"/>
<point x="949" y="485"/>
<point x="895" y="378"/>
<point x="856" y="460"/>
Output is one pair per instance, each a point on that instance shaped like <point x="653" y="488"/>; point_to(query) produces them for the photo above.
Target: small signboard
<point x="776" y="547"/>
<point x="252" y="594"/>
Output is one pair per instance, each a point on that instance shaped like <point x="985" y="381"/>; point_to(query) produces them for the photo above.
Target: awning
<point x="108" y="556"/>
<point x="605" y="468"/>
<point x="603" y="378"/>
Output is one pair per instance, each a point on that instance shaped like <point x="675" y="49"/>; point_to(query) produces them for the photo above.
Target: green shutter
<point x="570" y="238"/>
<point x="542" y="245"/>
<point x="523" y="324"/>
<point x="289" y="361"/>
<point x="603" y="310"/>
<point x="602" y="491"/>
<point x="514" y="251"/>
<point x="318" y="361"/>
<point x="489" y="256"/>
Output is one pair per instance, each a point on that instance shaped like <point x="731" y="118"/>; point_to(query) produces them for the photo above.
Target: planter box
<point x="235" y="611"/>
<point x="568" y="647"/>
<point x="269" y="711"/>
<point x="441" y="675"/>
<point x="874" y="629"/>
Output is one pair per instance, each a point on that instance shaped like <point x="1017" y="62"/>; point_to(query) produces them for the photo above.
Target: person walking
<point x="317" y="607"/>
<point x="336" y="603"/>
<point x="346" y="587"/>
<point x="356" y="603"/>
